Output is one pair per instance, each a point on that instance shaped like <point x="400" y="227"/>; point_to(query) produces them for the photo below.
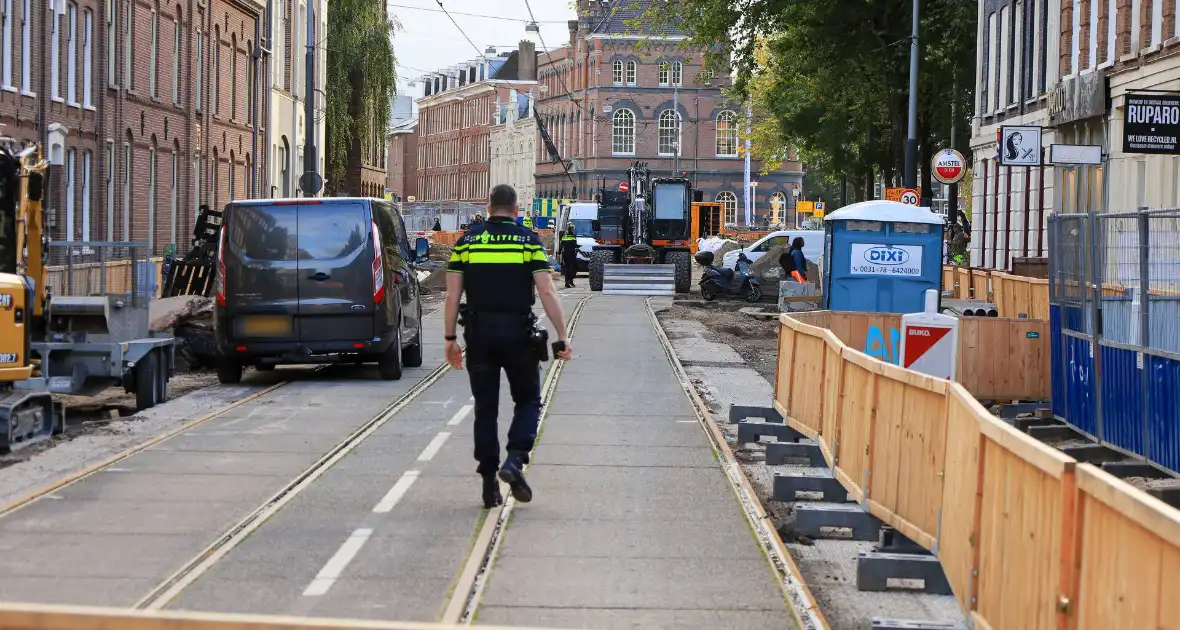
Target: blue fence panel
<point x="1122" y="400"/>
<point x="1080" y="408"/>
<point x="1163" y="411"/>
<point x="1057" y="358"/>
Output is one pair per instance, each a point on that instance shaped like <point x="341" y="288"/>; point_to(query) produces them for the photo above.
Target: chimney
<point x="526" y="61"/>
<point x="573" y="26"/>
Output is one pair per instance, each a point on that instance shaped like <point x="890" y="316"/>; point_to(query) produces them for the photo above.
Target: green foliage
<point x="831" y="77"/>
<point x="361" y="79"/>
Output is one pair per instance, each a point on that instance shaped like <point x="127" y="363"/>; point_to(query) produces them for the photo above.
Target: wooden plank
<point x="1134" y="504"/>
<point x="896" y="521"/>
<point x="1046" y="458"/>
<point x="958" y="527"/>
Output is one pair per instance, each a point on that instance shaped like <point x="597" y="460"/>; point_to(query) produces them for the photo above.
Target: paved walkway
<point x="633" y="524"/>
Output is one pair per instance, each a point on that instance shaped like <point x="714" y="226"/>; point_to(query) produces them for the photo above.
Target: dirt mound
<point x="725" y="248"/>
<point x="767" y="265"/>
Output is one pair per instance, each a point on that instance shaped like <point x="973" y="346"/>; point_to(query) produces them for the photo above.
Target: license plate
<point x="8" y="357"/>
<point x="264" y="325"/>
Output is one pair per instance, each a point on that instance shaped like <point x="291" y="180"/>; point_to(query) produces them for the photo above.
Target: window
<point x="989" y="90"/>
<point x="1111" y="19"/>
<point x="678" y="73"/>
<point x="281" y="50"/>
<point x="233" y="84"/>
<point x="669" y="133"/>
<point x="631" y="71"/>
<point x="127" y="189"/>
<point x="70" y="176"/>
<point x="175" y="196"/>
<point x="216" y="44"/>
<point x="26" y="56"/>
<point x="54" y="55"/>
<point x="110" y="190"/>
<point x="200" y="74"/>
<point x="112" y="80"/>
<point x="87" y="59"/>
<point x="233" y="189"/>
<point x="197" y="184"/>
<point x="151" y="199"/>
<point x="6" y="47"/>
<point x="618" y="67"/>
<point x="285" y="167"/>
<point x="154" y="54"/>
<point x="728" y="203"/>
<point x="128" y="44"/>
<point x="86" y="236"/>
<point x="249" y="86"/>
<point x="72" y="59"/>
<point x="778" y="208"/>
<point x="727" y="134"/>
<point x="1157" y="22"/>
<point x="213" y="180"/>
<point x="1076" y="38"/>
<point x="1092" y="53"/>
<point x="176" y="59"/>
<point x="664" y="72"/>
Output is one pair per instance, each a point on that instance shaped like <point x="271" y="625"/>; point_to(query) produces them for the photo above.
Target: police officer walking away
<point x="569" y="255"/>
<point x="498" y="263"/>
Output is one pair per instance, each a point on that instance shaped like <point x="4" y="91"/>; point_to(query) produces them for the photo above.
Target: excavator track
<point x="27" y="418"/>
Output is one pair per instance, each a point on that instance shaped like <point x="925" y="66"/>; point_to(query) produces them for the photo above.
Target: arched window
<point x="233" y="180"/>
<point x="664" y="72"/>
<point x="71" y="177"/>
<point x="213" y="182"/>
<point x="618" y="67"/>
<point x="778" y="208"/>
<point x="727" y="135"/>
<point x="631" y="72"/>
<point x="250" y="86"/>
<point x="285" y="167"/>
<point x="669" y="132"/>
<point x="174" y="194"/>
<point x="623" y="132"/>
<point x="86" y="159"/>
<point x="127" y="144"/>
<point x="678" y="73"/>
<point x="151" y="196"/>
<point x="233" y="82"/>
<point x="728" y="203"/>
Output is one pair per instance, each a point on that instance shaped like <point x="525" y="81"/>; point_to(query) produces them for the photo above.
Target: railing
<point x="1028" y="537"/>
<point x="999" y="358"/>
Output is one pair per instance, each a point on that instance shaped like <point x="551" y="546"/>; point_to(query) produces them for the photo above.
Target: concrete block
<point x="737" y="413"/>
<point x="1096" y="454"/>
<point x="779" y="453"/>
<point x="893" y="541"/>
<point x="1126" y="469"/>
<point x="788" y="484"/>
<point x="1168" y="493"/>
<point x="751" y="431"/>
<point x="836" y="520"/>
<point x="1011" y="411"/>
<point x="1054" y="432"/>
<point x="878" y="623"/>
<point x="874" y="569"/>
<point x="1022" y="424"/>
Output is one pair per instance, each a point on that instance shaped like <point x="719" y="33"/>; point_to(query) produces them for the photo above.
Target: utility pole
<point x="952" y="202"/>
<point x="746" y="177"/>
<point x="679" y="132"/>
<point x="911" y="143"/>
<point x="310" y="159"/>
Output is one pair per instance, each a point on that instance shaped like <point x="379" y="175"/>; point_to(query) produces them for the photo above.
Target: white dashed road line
<point x="459" y="415"/>
<point x="432" y="449"/>
<point x="336" y="564"/>
<point x="396" y="493"/>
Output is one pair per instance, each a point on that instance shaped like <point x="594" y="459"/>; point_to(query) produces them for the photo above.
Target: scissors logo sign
<point x="1020" y="146"/>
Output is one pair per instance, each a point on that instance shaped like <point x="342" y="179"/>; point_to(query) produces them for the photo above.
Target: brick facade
<point x="588" y="85"/>
<point x="402" y="170"/>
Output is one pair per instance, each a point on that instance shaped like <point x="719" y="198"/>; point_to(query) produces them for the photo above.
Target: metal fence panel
<point x="117" y="269"/>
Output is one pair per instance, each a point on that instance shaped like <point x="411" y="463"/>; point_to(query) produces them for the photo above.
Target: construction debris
<point x="190" y="319"/>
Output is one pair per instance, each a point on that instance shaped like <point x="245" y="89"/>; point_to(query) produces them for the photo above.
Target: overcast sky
<point x="428" y="41"/>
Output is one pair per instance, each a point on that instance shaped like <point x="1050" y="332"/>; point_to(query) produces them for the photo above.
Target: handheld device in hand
<point x="558" y="347"/>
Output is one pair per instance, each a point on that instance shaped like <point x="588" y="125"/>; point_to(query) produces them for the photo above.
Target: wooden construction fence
<point x="999" y="358"/>
<point x="49" y="617"/>
<point x="1015" y="296"/>
<point x="1028" y="537"/>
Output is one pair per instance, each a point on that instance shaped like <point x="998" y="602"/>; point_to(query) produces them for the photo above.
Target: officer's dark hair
<point x="502" y="199"/>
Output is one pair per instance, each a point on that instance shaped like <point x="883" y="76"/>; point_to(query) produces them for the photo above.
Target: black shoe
<point x="491" y="492"/>
<point x="511" y="474"/>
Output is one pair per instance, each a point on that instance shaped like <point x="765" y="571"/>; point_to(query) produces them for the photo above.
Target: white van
<point x="813" y="246"/>
<point x="583" y="214"/>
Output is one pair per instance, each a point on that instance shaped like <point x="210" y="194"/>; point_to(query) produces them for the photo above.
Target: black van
<point x="316" y="281"/>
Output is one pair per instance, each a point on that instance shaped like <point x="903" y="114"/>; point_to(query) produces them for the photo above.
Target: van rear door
<point x="261" y="266"/>
<point x="336" y="287"/>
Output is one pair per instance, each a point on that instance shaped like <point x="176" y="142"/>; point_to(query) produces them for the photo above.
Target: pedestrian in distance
<point x="501" y="268"/>
<point x="437" y="225"/>
<point x="569" y="255"/>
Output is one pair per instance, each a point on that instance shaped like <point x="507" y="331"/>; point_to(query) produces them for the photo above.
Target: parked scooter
<point x="724" y="281"/>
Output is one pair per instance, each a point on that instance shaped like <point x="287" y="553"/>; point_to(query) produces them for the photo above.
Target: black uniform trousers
<point x="569" y="267"/>
<point x="495" y="342"/>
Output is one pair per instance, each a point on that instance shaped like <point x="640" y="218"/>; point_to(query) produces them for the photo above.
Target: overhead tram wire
<point x="565" y="167"/>
<point x="478" y="15"/>
<point x="479" y="52"/>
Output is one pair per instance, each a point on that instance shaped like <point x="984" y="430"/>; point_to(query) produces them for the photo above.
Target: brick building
<point x="455" y="115"/>
<point x="401" y="177"/>
<point x="613" y="96"/>
<point x="136" y="110"/>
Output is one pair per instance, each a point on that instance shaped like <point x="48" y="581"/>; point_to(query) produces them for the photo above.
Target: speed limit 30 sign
<point x="909" y="196"/>
<point x="949" y="166"/>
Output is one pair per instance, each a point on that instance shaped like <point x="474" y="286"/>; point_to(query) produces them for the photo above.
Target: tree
<point x="832" y="78"/>
<point x="360" y="83"/>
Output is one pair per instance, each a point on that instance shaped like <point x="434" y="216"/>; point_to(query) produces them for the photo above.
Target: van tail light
<point x="221" y="268"/>
<point x="378" y="268"/>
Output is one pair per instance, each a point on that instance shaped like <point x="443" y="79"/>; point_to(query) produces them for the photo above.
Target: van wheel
<point x="412" y="355"/>
<point x="147" y="387"/>
<point x="389" y="364"/>
<point x="229" y="371"/>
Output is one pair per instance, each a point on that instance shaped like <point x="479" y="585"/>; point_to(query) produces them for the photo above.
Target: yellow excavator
<point x="26" y="417"/>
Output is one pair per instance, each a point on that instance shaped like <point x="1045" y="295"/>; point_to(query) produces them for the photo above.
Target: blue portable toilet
<point x="881" y="257"/>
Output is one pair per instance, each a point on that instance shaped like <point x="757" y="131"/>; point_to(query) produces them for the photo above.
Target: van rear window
<point x="298" y="232"/>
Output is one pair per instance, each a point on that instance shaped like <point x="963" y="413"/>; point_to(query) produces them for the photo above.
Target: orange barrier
<point x="1028" y="537"/>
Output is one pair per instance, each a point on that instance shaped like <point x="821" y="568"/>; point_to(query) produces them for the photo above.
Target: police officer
<point x="497" y="264"/>
<point x="569" y="255"/>
<point x="528" y="220"/>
